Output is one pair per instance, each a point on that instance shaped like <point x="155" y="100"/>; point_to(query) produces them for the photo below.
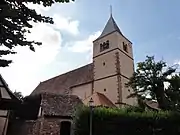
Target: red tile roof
<point x="61" y="84"/>
<point x="99" y="99"/>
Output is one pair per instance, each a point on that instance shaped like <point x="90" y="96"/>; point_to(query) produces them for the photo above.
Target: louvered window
<point x="104" y="46"/>
<point x="125" y="47"/>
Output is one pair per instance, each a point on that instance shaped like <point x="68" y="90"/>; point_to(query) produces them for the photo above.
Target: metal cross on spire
<point x="110" y="10"/>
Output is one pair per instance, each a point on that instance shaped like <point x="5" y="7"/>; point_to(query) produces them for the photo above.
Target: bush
<point x="127" y="121"/>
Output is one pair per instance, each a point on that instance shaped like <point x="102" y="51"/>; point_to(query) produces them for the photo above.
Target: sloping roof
<point x="99" y="99"/>
<point x="7" y="99"/>
<point x="59" y="105"/>
<point x="6" y="90"/>
<point x="62" y="83"/>
<point x="110" y="27"/>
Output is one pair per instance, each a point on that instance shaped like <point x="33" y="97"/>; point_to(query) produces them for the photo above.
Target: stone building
<point x="112" y="66"/>
<point x="41" y="114"/>
<point x="45" y="114"/>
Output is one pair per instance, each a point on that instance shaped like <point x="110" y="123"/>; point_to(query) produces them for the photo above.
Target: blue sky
<point x="151" y="25"/>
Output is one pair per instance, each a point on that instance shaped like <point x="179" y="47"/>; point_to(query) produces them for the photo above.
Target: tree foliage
<point x="173" y="92"/>
<point x="149" y="81"/>
<point x="125" y="121"/>
<point x="15" y="22"/>
<point x="19" y="95"/>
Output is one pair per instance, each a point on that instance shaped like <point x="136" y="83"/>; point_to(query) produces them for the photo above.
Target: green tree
<point x="15" y="18"/>
<point x="173" y="92"/>
<point x="149" y="79"/>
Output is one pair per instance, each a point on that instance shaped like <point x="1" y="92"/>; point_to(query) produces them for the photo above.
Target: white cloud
<point x="177" y="62"/>
<point x="83" y="45"/>
<point x="29" y="68"/>
<point x="60" y="22"/>
<point x="175" y="65"/>
<point x="24" y="73"/>
<point x="66" y="24"/>
<point x="39" y="8"/>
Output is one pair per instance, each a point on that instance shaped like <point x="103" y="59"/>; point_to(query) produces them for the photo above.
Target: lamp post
<point x="91" y="102"/>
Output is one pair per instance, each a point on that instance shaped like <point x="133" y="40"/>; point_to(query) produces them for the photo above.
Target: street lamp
<point x="91" y="104"/>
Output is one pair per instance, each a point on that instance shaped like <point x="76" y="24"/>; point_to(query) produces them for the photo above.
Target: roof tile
<point x="99" y="100"/>
<point x="110" y="27"/>
<point x="62" y="83"/>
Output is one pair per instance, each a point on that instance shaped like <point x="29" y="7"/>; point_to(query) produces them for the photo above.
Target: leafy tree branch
<point x="15" y="18"/>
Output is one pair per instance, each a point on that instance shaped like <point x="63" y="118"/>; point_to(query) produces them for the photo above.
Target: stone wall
<point x="49" y="126"/>
<point x="21" y="127"/>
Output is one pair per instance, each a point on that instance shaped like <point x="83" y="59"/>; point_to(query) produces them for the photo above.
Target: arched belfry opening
<point x="65" y="128"/>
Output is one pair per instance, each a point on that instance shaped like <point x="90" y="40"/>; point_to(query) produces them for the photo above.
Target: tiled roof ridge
<point x="100" y="99"/>
<point x="63" y="82"/>
<point x="55" y="94"/>
<point x="90" y="95"/>
<point x="67" y="72"/>
<point x="106" y="98"/>
<point x="8" y="89"/>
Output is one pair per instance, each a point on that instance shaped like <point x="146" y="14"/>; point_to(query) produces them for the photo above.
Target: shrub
<point x="127" y="121"/>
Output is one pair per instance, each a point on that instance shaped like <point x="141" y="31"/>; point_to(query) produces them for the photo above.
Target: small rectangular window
<point x="3" y="113"/>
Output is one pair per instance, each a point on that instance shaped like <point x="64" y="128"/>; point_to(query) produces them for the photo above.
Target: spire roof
<point x="110" y="27"/>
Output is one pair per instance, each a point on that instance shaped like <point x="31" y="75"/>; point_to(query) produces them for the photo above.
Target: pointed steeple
<point x="110" y="27"/>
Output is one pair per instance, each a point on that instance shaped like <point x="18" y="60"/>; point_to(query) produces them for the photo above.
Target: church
<point x="50" y="108"/>
<point x="104" y="79"/>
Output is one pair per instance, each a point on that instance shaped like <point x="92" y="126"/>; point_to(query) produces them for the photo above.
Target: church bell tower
<point x="113" y="64"/>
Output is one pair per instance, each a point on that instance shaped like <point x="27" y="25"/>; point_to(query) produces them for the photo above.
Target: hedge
<point x="114" y="121"/>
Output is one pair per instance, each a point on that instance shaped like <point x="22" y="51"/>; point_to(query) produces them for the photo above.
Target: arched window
<point x="101" y="47"/>
<point x="107" y="44"/>
<point x="125" y="48"/>
<point x="104" y="45"/>
<point x="65" y="128"/>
